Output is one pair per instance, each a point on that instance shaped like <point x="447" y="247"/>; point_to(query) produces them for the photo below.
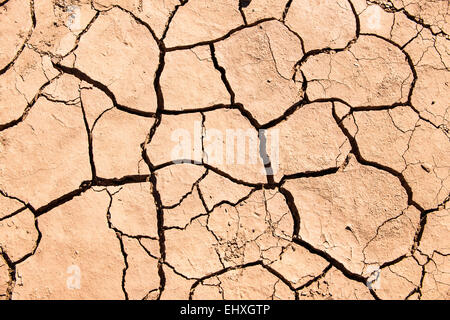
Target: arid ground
<point x="224" y="149"/>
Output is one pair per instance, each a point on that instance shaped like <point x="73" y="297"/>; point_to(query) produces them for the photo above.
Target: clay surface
<point x="225" y="149"/>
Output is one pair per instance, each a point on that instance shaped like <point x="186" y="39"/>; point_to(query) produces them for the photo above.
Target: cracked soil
<point x="92" y="205"/>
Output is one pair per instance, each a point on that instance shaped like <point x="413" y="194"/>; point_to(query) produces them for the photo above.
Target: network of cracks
<point x="93" y="206"/>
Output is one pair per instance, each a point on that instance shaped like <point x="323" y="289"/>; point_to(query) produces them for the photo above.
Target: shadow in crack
<point x="244" y="3"/>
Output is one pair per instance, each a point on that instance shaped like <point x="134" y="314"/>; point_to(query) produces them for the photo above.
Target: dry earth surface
<point x="352" y="203"/>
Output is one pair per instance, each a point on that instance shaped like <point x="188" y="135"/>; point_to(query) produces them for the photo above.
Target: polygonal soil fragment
<point x="233" y="146"/>
<point x="431" y="95"/>
<point x="18" y="235"/>
<point x="58" y="24"/>
<point x="180" y="215"/>
<point x="154" y="13"/>
<point x="176" y="181"/>
<point x="259" y="64"/>
<point x="340" y="213"/>
<point x="253" y="282"/>
<point x="142" y="272"/>
<point x="335" y="286"/>
<point x="322" y="24"/>
<point x="95" y="103"/>
<point x="436" y="282"/>
<point x="117" y="138"/>
<point x="65" y="88"/>
<point x="177" y="287"/>
<point x="256" y="229"/>
<point x="133" y="211"/>
<point x="396" y="234"/>
<point x="390" y="24"/>
<point x="85" y="254"/>
<point x="189" y="80"/>
<point x="434" y="245"/>
<point x="436" y="234"/>
<point x="151" y="246"/>
<point x="191" y="252"/>
<point x="20" y="84"/>
<point x="361" y="75"/>
<point x="125" y="44"/>
<point x="9" y="205"/>
<point x="208" y="289"/>
<point x="263" y="9"/>
<point x="383" y="136"/>
<point x="399" y="280"/>
<point x="157" y="13"/>
<point x="428" y="50"/>
<point x="299" y="266"/>
<point x="216" y="189"/>
<point x="54" y="158"/>
<point x="404" y="30"/>
<point x="200" y="21"/>
<point x="178" y="139"/>
<point x="432" y="13"/>
<point x="16" y="24"/>
<point x="309" y="140"/>
<point x="428" y="171"/>
<point x="377" y="21"/>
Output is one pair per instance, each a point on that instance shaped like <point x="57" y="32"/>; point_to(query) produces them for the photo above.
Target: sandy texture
<point x="224" y="149"/>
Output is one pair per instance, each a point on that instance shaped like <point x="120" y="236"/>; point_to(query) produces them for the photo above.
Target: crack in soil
<point x="205" y="252"/>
